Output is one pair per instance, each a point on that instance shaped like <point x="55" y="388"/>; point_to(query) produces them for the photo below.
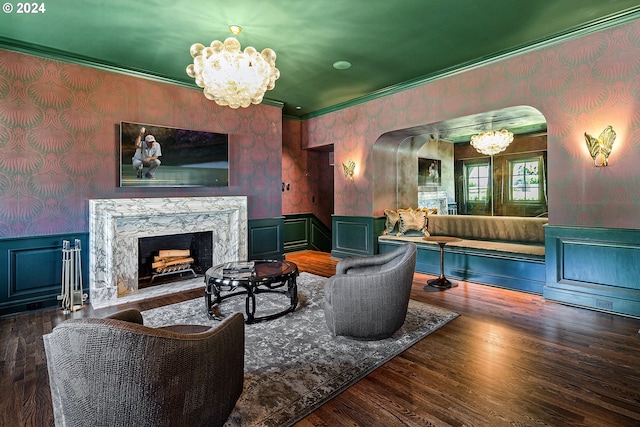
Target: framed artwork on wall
<point x="160" y="156"/>
<point x="429" y="172"/>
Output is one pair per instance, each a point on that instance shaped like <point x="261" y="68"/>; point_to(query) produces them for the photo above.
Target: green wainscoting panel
<point x="595" y="268"/>
<point x="320" y="236"/>
<point x="509" y="271"/>
<point x="296" y="233"/>
<point x="31" y="271"/>
<point x="266" y="238"/>
<point x="305" y="232"/>
<point x="355" y="235"/>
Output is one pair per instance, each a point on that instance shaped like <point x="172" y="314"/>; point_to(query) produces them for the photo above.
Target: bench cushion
<point x="489" y="228"/>
<point x="483" y="245"/>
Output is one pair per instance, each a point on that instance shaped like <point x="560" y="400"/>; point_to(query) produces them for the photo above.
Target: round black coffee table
<point x="266" y="276"/>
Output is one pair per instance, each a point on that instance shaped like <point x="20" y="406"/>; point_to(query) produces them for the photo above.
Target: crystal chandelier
<point x="230" y="76"/>
<point x="492" y="142"/>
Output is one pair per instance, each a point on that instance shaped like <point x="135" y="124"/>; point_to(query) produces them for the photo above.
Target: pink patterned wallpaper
<point x="308" y="175"/>
<point x="581" y="85"/>
<point x="59" y="142"/>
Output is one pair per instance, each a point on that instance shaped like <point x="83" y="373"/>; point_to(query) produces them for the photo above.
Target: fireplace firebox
<point x="199" y="246"/>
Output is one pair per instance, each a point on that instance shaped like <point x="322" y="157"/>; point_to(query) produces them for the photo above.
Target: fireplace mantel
<point x="116" y="224"/>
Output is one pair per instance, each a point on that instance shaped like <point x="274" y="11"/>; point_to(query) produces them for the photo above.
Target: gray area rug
<point x="293" y="364"/>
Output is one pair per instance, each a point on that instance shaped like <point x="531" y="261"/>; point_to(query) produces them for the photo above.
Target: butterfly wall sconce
<point x="600" y="148"/>
<point x="349" y="169"/>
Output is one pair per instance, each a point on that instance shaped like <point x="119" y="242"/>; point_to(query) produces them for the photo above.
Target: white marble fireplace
<point x="434" y="199"/>
<point x="115" y="225"/>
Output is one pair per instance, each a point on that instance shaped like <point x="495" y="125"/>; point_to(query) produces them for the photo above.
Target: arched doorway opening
<point x="400" y="156"/>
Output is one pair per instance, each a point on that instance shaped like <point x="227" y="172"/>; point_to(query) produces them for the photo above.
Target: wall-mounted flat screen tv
<point x="176" y="157"/>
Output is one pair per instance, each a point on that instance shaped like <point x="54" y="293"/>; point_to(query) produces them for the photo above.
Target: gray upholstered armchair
<point x="368" y="297"/>
<point x="118" y="372"/>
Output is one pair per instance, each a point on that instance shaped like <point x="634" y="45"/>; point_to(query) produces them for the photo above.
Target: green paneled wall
<point x="595" y="268"/>
<point x="520" y="273"/>
<point x="31" y="271"/>
<point x="266" y="238"/>
<point x="355" y="235"/>
<point x="305" y="232"/>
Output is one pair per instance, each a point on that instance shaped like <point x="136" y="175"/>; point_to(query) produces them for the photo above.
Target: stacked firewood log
<point x="172" y="260"/>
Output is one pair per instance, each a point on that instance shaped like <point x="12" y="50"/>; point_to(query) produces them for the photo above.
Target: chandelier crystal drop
<point x="232" y="77"/>
<point x="492" y="142"/>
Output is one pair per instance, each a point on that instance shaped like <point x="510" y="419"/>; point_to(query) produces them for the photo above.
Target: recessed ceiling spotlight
<point x="235" y="29"/>
<point x="298" y="108"/>
<point x="341" y="65"/>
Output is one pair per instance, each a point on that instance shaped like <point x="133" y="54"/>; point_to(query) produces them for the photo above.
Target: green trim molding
<point x="573" y="33"/>
<point x="355" y="235"/>
<point x="596" y="268"/>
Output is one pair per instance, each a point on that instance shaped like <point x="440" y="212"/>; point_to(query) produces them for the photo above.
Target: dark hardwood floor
<point x="510" y="359"/>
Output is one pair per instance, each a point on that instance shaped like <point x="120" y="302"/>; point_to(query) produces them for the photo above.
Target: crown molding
<point x="623" y="17"/>
<point x="620" y="18"/>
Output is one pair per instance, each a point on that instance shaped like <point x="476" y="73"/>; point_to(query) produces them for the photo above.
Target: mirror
<point x="405" y="158"/>
<point x="512" y="182"/>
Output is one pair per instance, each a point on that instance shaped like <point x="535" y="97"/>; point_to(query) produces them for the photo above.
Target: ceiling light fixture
<point x="230" y="76"/>
<point x="492" y="142"/>
<point x="342" y="65"/>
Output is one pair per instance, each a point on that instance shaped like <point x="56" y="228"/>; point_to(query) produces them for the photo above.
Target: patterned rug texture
<point x="292" y="364"/>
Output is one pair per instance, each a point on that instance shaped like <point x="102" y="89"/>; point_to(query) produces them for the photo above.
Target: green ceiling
<point x="392" y="44"/>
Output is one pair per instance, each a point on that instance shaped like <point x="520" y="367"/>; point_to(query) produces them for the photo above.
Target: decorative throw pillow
<point x="432" y="211"/>
<point x="413" y="221"/>
<point x="391" y="221"/>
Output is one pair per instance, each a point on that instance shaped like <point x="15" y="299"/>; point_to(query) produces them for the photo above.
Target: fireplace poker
<point x="71" y="296"/>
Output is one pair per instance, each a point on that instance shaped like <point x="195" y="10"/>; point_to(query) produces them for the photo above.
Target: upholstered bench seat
<point x="492" y="228"/>
<point x="483" y="245"/>
<point x="503" y="251"/>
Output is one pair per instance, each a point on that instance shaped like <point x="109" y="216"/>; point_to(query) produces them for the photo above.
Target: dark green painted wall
<point x="31" y="271"/>
<point x="596" y="268"/>
<point x="355" y="235"/>
<point x="305" y="232"/>
<point x="266" y="238"/>
<point x="31" y="267"/>
<point x="520" y="273"/>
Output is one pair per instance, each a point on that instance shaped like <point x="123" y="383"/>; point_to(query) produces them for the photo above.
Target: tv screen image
<point x="190" y="158"/>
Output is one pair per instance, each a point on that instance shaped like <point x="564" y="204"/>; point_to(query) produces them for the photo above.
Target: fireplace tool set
<point x="71" y="298"/>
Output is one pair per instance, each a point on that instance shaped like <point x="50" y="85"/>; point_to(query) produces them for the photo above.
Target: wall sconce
<point x="349" y="169"/>
<point x="600" y="148"/>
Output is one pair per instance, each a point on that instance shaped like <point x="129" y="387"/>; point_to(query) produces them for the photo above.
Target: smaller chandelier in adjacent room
<point x="230" y="76"/>
<point x="492" y="142"/>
